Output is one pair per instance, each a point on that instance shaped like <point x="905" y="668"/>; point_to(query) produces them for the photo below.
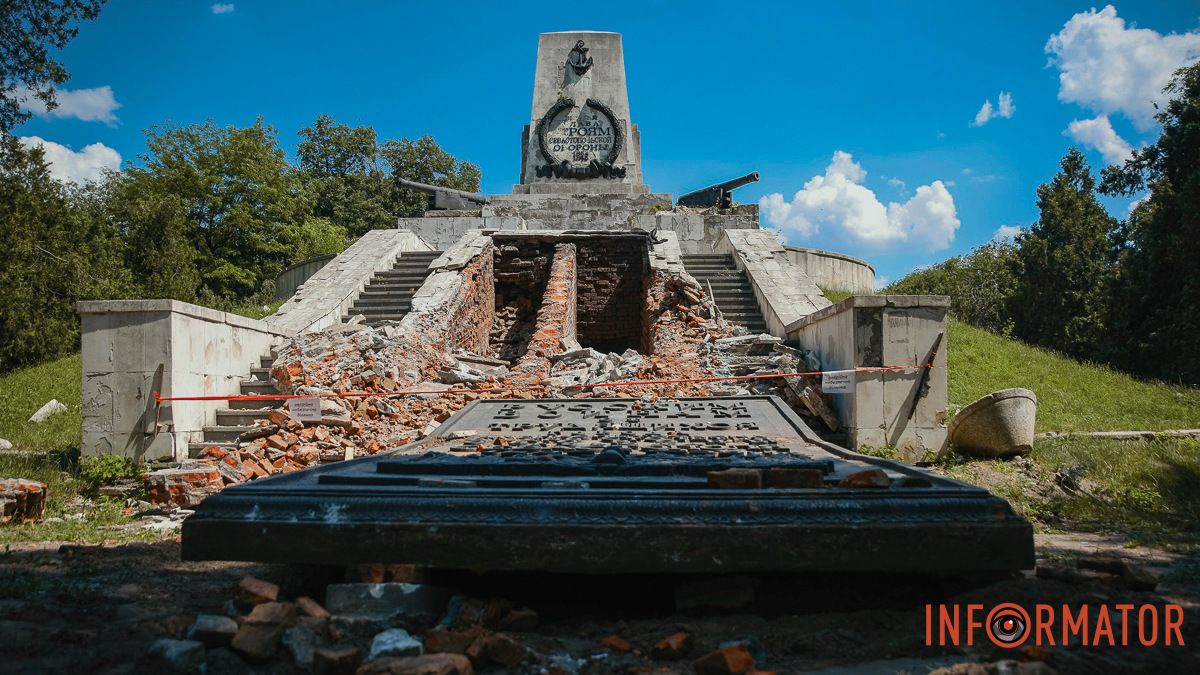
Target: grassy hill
<point x="1150" y="489"/>
<point x="23" y="391"/>
<point x="1072" y="396"/>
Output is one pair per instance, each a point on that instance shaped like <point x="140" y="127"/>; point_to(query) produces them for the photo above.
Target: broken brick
<point x="868" y="478"/>
<point x="253" y="591"/>
<point x="430" y="664"/>
<point x="732" y="660"/>
<point x="336" y="661"/>
<point x="22" y="501"/>
<point x="504" y="650"/>
<point x="672" y="647"/>
<point x="311" y="608"/>
<point x="616" y="643"/>
<point x="257" y="642"/>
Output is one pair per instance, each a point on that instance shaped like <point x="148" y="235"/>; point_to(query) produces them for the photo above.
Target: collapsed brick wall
<point x="520" y="271"/>
<point x="474" y="309"/>
<point x="610" y="289"/>
<point x="555" y="325"/>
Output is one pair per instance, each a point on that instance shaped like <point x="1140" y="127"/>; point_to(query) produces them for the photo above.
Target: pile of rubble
<point x="392" y="383"/>
<point x="402" y="628"/>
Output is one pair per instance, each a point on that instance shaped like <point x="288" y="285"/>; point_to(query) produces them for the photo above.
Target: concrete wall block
<point x="884" y="331"/>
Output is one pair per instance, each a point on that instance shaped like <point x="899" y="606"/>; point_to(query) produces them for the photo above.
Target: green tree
<point x="424" y="161"/>
<point x="1063" y="265"/>
<point x="980" y="285"/>
<point x="1156" y="295"/>
<point x="29" y="30"/>
<point x="226" y="192"/>
<point x="340" y="165"/>
<point x="57" y="251"/>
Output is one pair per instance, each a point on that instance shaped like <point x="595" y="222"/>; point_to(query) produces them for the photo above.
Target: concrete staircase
<point x="730" y="288"/>
<point x="240" y="415"/>
<point x="388" y="296"/>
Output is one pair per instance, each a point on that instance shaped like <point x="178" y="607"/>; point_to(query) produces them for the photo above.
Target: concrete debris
<point x="52" y="407"/>
<point x="5" y="444"/>
<point x="213" y="630"/>
<point x="175" y="656"/>
<point x="21" y="501"/>
<point x="410" y="605"/>
<point x="394" y="642"/>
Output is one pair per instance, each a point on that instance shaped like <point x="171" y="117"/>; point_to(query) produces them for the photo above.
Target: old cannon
<point x="720" y="195"/>
<point x="444" y="198"/>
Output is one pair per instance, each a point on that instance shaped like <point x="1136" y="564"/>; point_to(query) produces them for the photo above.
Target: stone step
<point x="711" y="269"/>
<point x="194" y="449"/>
<point x="399" y="275"/>
<point x="262" y="374"/>
<point x="222" y="433"/>
<point x="421" y="254"/>
<point x="266" y="361"/>
<point x="379" y="313"/>
<point x="251" y="387"/>
<point x="407" y="290"/>
<point x="382" y="301"/>
<point x="235" y="418"/>
<point x="701" y="257"/>
<point x="255" y="405"/>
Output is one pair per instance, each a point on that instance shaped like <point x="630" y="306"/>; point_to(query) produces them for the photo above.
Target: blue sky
<point x="864" y="119"/>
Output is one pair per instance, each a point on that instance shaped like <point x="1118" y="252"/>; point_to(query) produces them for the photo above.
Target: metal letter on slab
<point x="617" y="486"/>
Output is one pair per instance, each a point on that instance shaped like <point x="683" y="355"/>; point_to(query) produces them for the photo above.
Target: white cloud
<point x="89" y="105"/>
<point x="1109" y="67"/>
<point x="839" y="204"/>
<point x="78" y="167"/>
<point x="1098" y="134"/>
<point x="881" y="282"/>
<point x="1136" y="203"/>
<point x="1006" y="232"/>
<point x="1004" y="108"/>
<point x="222" y="8"/>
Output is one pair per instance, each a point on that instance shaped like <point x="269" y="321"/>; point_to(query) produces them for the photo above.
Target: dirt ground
<point x="66" y="608"/>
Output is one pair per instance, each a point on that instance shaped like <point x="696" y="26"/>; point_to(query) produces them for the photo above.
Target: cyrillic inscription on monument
<point x="580" y="141"/>
<point x="581" y="134"/>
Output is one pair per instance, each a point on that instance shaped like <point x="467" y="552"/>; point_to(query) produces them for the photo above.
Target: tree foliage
<point x="29" y="30"/>
<point x="57" y="249"/>
<point x="227" y="192"/>
<point x="980" y="285"/>
<point x="1156" y="294"/>
<point x="1063" y="265"/>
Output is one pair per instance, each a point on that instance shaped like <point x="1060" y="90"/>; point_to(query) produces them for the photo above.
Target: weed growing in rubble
<point x="107" y="470"/>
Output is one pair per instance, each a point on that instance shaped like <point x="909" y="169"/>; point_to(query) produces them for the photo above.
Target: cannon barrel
<point x="444" y="197"/>
<point x="736" y="183"/>
<point x="716" y="195"/>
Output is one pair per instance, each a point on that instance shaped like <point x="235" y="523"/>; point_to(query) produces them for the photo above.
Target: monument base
<point x="618" y="486"/>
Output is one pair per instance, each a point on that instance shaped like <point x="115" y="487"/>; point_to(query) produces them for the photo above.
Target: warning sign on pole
<point x="305" y="409"/>
<point x="837" y="382"/>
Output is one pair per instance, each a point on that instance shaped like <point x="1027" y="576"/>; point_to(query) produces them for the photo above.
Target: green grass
<point x="837" y="296"/>
<point x="1072" y="396"/>
<point x="1147" y="489"/>
<point x="23" y="391"/>
<point x="257" y="310"/>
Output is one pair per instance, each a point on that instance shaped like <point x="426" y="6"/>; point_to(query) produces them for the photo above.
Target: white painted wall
<point x="884" y="330"/>
<point x="132" y="348"/>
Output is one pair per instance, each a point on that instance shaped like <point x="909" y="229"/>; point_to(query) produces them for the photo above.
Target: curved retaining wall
<point x="290" y="279"/>
<point x="834" y="271"/>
